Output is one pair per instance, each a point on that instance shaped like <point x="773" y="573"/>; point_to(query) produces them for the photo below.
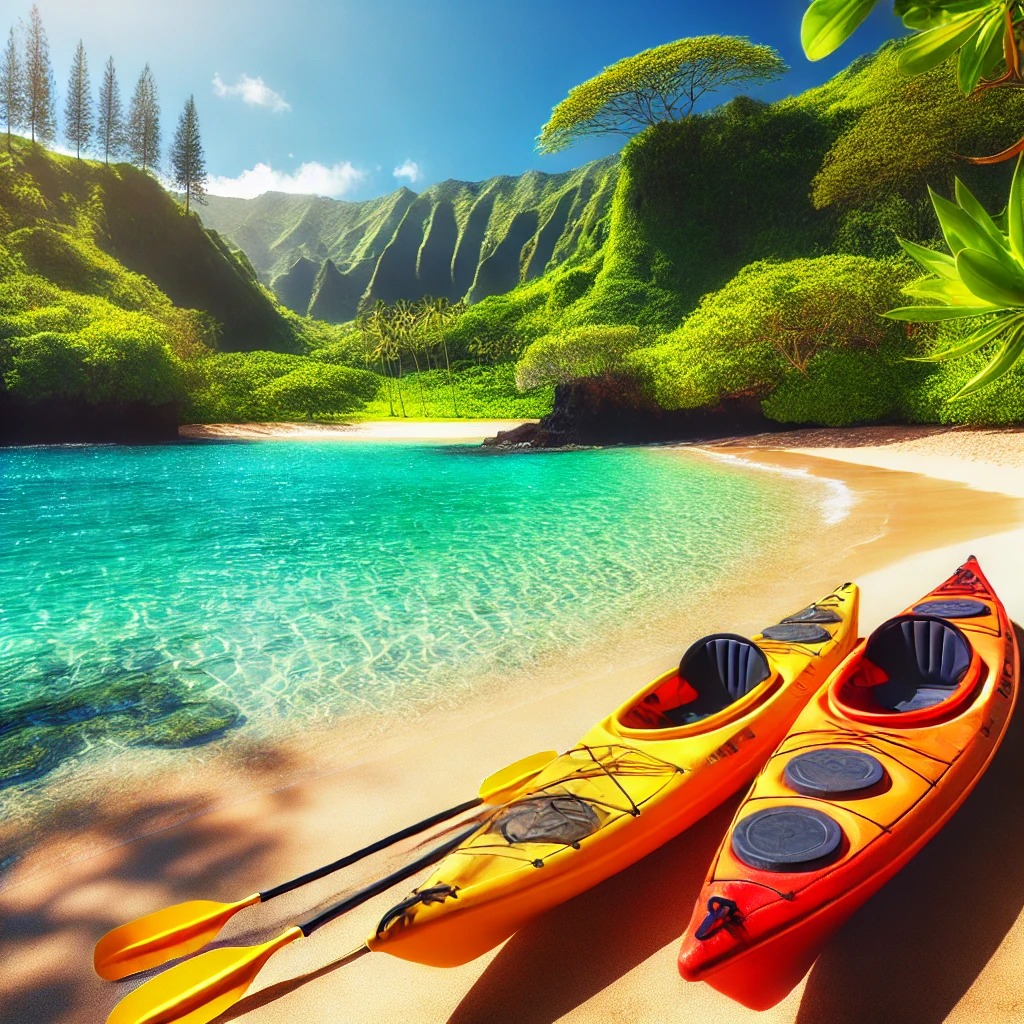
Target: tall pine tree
<point x="40" y="113"/>
<point x="110" y="128"/>
<point x="144" y="122"/>
<point x="78" y="115"/>
<point x="12" y="87"/>
<point x="188" y="164"/>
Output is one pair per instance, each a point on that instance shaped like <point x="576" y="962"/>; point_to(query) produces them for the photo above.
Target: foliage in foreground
<point x="983" y="281"/>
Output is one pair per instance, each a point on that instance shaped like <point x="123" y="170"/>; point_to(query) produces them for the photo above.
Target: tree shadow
<point x="574" y="951"/>
<point x="49" y="924"/>
<point x="915" y="948"/>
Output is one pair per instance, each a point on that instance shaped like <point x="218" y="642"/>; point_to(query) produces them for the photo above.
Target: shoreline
<point x="369" y="430"/>
<point x="222" y="854"/>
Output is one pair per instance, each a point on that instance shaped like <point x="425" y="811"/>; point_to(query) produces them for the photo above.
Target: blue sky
<point x="354" y="97"/>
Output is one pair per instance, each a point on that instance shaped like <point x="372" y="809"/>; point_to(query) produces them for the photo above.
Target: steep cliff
<point x="456" y="239"/>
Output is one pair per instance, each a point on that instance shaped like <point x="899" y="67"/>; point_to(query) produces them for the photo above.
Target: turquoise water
<point x="170" y="596"/>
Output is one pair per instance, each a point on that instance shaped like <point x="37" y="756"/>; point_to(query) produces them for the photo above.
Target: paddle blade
<point x="496" y="788"/>
<point x="161" y="936"/>
<point x="199" y="989"/>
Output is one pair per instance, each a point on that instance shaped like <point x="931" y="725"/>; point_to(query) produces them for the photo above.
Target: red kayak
<point x="874" y="766"/>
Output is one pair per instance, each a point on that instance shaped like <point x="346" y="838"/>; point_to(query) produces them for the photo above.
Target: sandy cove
<point x="371" y="430"/>
<point x="952" y="920"/>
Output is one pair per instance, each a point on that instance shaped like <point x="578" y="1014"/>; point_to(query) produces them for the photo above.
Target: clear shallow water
<point x="256" y="588"/>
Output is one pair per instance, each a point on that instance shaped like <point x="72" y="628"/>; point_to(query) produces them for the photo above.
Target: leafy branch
<point x="984" y="34"/>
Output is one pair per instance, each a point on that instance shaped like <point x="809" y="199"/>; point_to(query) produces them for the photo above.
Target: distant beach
<point x="379" y="430"/>
<point x="918" y="502"/>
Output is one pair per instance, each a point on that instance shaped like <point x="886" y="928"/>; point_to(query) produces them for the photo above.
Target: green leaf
<point x="1003" y="361"/>
<point x="931" y="48"/>
<point x="934" y="262"/>
<point x="1015" y="210"/>
<point x="932" y="314"/>
<point x="962" y="231"/>
<point x="990" y="279"/>
<point x="828" y="24"/>
<point x="978" y="339"/>
<point x="920" y="19"/>
<point x="976" y="53"/>
<point x="965" y="198"/>
<point x="953" y="293"/>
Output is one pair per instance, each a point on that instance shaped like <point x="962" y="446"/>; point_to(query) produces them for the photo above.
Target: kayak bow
<point x="874" y="766"/>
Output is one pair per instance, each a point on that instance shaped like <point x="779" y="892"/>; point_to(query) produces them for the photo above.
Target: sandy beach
<point x="375" y="430"/>
<point x="942" y="942"/>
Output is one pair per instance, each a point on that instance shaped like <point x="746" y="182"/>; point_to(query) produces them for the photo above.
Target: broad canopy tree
<point x="661" y="84"/>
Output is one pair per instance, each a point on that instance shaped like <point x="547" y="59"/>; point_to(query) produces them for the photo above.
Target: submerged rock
<point x="144" y="709"/>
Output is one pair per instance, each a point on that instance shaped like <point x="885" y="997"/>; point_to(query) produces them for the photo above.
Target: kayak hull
<point x="646" y="785"/>
<point x="783" y="918"/>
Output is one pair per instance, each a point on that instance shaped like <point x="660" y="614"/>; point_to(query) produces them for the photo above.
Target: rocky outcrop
<point x="614" y="410"/>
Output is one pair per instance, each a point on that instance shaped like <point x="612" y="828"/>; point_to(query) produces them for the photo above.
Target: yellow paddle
<point x="177" y="931"/>
<point x="196" y="991"/>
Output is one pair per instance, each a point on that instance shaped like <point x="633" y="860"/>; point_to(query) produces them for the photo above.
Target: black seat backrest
<point x="925" y="658"/>
<point x="722" y="668"/>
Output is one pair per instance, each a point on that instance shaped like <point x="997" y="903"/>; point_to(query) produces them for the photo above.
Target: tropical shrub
<point x="577" y="352"/>
<point x="771" y="322"/>
<point x="843" y="386"/>
<point x="317" y="389"/>
<point x="249" y="386"/>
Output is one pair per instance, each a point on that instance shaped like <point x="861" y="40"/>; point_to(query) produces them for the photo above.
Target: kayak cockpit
<point x="719" y="673"/>
<point x="914" y="668"/>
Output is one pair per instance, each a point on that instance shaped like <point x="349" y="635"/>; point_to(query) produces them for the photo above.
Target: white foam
<point x="835" y="505"/>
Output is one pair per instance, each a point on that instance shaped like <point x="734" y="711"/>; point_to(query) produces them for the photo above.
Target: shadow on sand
<point x="571" y="953"/>
<point x="908" y="955"/>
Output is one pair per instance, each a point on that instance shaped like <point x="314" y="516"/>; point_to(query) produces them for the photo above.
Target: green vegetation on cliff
<point x="454" y="240"/>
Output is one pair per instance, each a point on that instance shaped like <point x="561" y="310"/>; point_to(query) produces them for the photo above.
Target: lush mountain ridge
<point x="456" y="239"/>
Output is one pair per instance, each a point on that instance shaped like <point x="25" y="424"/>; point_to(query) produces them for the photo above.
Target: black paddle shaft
<point x="385" y="883"/>
<point x="381" y="844"/>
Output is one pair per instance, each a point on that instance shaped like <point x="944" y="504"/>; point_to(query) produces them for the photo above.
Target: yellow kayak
<point x="650" y="770"/>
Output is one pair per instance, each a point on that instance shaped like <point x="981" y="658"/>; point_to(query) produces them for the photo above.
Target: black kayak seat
<point x="722" y="668"/>
<point x="925" y="658"/>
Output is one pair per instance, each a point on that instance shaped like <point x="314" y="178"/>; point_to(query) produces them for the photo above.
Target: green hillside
<point x="740" y="255"/>
<point x="91" y="229"/>
<point x="739" y="216"/>
<point x="456" y="239"/>
<point x="119" y="315"/>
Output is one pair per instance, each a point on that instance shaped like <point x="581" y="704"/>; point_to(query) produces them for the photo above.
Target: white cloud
<point x="253" y="91"/>
<point x="310" y="179"/>
<point x="410" y="170"/>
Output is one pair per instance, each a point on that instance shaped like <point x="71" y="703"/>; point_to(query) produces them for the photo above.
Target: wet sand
<point x="943" y="941"/>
